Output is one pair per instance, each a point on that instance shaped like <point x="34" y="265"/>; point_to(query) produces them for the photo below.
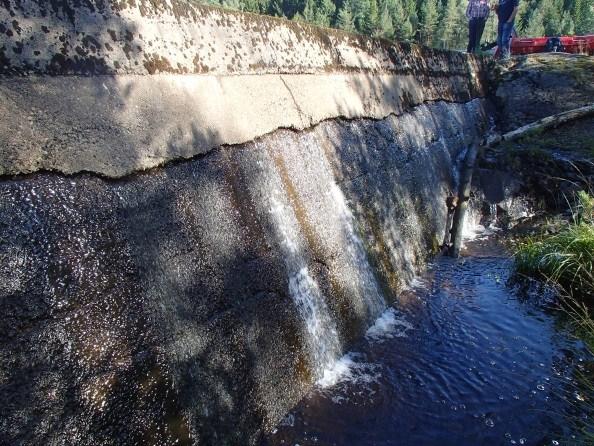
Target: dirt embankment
<point x="526" y="89"/>
<point x="540" y="172"/>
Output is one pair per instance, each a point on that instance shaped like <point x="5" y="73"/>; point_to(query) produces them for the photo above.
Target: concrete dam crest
<point x="201" y="210"/>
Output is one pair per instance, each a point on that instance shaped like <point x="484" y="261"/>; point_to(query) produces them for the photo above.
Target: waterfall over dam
<point x="200" y="210"/>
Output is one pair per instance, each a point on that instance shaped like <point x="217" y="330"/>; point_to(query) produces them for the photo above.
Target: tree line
<point x="437" y="23"/>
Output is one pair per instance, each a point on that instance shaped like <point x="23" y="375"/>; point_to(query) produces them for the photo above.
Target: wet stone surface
<point x="173" y="305"/>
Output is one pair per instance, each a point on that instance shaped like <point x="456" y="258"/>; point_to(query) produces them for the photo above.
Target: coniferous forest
<point x="437" y="23"/>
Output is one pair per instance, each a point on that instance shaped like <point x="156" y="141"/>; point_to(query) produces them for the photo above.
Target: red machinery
<point x="565" y="44"/>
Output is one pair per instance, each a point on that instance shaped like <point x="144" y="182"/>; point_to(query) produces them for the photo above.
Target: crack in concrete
<point x="181" y="159"/>
<point x="297" y="107"/>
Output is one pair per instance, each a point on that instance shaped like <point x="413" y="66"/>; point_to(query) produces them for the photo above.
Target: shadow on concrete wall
<point x="155" y="308"/>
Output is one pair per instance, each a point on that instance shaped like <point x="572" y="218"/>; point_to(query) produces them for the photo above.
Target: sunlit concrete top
<point x="113" y="87"/>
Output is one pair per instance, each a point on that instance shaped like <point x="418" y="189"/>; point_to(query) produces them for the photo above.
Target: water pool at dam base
<point x="470" y="357"/>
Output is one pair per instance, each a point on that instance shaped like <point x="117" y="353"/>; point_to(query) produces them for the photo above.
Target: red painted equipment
<point x="565" y="44"/>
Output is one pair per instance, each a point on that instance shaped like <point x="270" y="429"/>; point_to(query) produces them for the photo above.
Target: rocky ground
<point x="538" y="174"/>
<point x="528" y="88"/>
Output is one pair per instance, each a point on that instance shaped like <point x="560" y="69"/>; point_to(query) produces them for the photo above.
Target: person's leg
<point x="506" y="39"/>
<point x="480" y="27"/>
<point x="471" y="35"/>
<point x="499" y="35"/>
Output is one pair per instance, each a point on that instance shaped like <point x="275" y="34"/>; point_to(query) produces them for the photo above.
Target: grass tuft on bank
<point x="566" y="258"/>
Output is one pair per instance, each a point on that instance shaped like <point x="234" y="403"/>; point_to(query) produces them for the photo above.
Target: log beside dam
<point x="201" y="210"/>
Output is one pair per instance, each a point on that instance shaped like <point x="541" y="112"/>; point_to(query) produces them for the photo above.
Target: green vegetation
<point x="438" y="23"/>
<point x="582" y="390"/>
<point x="566" y="260"/>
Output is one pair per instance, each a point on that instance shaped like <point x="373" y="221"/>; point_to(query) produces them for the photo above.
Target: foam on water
<point x="388" y="325"/>
<point x="473" y="229"/>
<point x="352" y="367"/>
<point x="416" y="283"/>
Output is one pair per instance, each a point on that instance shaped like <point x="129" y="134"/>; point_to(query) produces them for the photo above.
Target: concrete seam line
<point x="162" y="162"/>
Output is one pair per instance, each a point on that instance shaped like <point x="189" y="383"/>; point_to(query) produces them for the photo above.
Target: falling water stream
<point x="324" y="345"/>
<point x="468" y="357"/>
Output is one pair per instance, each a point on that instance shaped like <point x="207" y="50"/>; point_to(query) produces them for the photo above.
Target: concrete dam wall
<point x="201" y="210"/>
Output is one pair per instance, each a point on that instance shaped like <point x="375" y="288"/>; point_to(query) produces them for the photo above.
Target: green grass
<point x="565" y="259"/>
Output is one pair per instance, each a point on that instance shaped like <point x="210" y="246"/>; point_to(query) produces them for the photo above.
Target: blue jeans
<point x="504" y="31"/>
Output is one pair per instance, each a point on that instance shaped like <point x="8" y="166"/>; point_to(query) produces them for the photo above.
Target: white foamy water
<point x="416" y="283"/>
<point x="352" y="367"/>
<point x="473" y="229"/>
<point x="323" y="343"/>
<point x="388" y="325"/>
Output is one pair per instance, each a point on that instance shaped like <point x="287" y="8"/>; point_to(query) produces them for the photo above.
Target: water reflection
<point x="474" y="362"/>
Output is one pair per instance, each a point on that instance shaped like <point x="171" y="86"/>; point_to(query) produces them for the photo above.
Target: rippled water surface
<point x="466" y="359"/>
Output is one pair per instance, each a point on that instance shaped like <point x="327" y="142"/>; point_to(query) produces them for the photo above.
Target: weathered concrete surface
<point x="156" y="308"/>
<point x="175" y="36"/>
<point x="117" y="125"/>
<point x="225" y="78"/>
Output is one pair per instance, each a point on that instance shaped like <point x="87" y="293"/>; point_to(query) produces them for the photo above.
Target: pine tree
<point x="371" y="20"/>
<point x="428" y="21"/>
<point x="567" y="25"/>
<point x="275" y="8"/>
<point x="291" y="7"/>
<point x="231" y="4"/>
<point x="403" y="29"/>
<point x="535" y="25"/>
<point x="309" y="12"/>
<point x="447" y="25"/>
<point x="551" y="16"/>
<point x="385" y="26"/>
<point x="360" y="12"/>
<point x="583" y="16"/>
<point x="298" y="17"/>
<point x="324" y="12"/>
<point x="256" y="6"/>
<point x="460" y="33"/>
<point x="432" y="22"/>
<point x="410" y="11"/>
<point x="577" y="12"/>
<point x="346" y="19"/>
